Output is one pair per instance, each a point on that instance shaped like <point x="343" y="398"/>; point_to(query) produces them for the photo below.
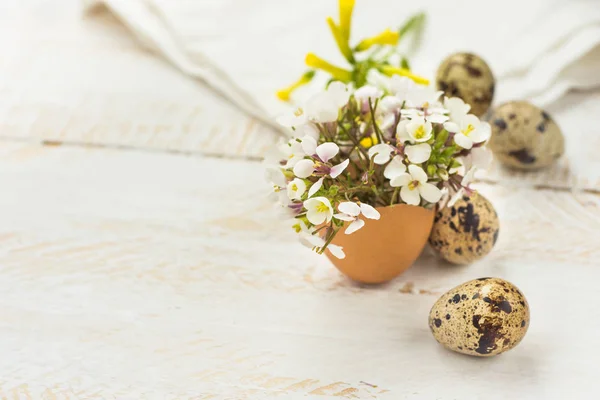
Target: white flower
<point x="350" y="212"/>
<point x="316" y="241"/>
<point x="309" y="129"/>
<point x="325" y="106"/>
<point x="318" y="210"/>
<point x="296" y="189"/>
<point x="418" y="153"/>
<point x="275" y="176"/>
<point x="402" y="87"/>
<point x="304" y="168"/>
<point x="394" y="168"/>
<point x="366" y="93"/>
<point x="293" y="152"/>
<point x="456" y="107"/>
<point x="422" y="102"/>
<point x="419" y="130"/>
<point x="327" y="151"/>
<point x="414" y="186"/>
<point x="389" y="104"/>
<point x="336" y="170"/>
<point x="339" y="93"/>
<point x="381" y="152"/>
<point x="466" y="181"/>
<point x="309" y="145"/>
<point x="315" y="187"/>
<point x="292" y="119"/>
<point x="300" y="227"/>
<point x="469" y="130"/>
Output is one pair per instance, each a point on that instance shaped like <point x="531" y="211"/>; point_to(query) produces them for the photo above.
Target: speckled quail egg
<point x="525" y="136"/>
<point x="467" y="76"/>
<point x="483" y="317"/>
<point x="465" y="231"/>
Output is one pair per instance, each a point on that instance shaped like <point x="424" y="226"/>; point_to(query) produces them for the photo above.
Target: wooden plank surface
<point x="130" y="275"/>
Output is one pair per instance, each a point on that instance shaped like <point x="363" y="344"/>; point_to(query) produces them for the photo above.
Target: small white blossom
<point x="309" y="145"/>
<point x="350" y="212"/>
<point x="304" y="168"/>
<point x="418" y="153"/>
<point x="423" y="102"/>
<point x="367" y="93"/>
<point x="315" y="241"/>
<point x="293" y="119"/>
<point x="456" y="107"/>
<point x="419" y="130"/>
<point x="275" y="176"/>
<point x="325" y="106"/>
<point x="296" y="189"/>
<point x="327" y="151"/>
<point x="468" y="131"/>
<point x="318" y="210"/>
<point x="402" y="87"/>
<point x="414" y="186"/>
<point x="381" y="152"/>
<point x="293" y="152"/>
<point x="394" y="168"/>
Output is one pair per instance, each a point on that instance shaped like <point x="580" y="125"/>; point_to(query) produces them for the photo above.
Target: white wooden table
<point x="139" y="257"/>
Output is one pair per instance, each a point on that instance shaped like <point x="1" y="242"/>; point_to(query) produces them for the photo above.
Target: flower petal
<point x="304" y="168"/>
<point x="339" y="93"/>
<point x="315" y="187"/>
<point x="354" y="226"/>
<point x="315" y="217"/>
<point x="400" y="180"/>
<point x="381" y="152"/>
<point x="336" y="251"/>
<point x="401" y="132"/>
<point x="456" y="197"/>
<point x="451" y="127"/>
<point x="463" y="141"/>
<point x="314" y="240"/>
<point x="482" y="133"/>
<point x="369" y="211"/>
<point x="309" y="145"/>
<point x="336" y="170"/>
<point x="418" y="153"/>
<point x="350" y="208"/>
<point x="409" y="196"/>
<point x="296" y="189"/>
<point x="344" y="217"/>
<point x="430" y="192"/>
<point x="309" y="129"/>
<point x="417" y="173"/>
<point x="394" y="168"/>
<point x="327" y="151"/>
<point x="275" y="176"/>
<point x="481" y="157"/>
<point x="466" y="180"/>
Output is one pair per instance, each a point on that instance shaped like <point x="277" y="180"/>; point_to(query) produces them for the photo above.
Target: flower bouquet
<point x="366" y="167"/>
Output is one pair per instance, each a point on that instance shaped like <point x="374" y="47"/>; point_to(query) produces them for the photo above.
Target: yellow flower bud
<point x="369" y="141"/>
<point x="386" y="37"/>
<point x="284" y="94"/>
<point x="336" y="72"/>
<point x="390" y="70"/>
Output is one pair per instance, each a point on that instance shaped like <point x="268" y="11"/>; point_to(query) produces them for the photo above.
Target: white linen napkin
<point x="246" y="50"/>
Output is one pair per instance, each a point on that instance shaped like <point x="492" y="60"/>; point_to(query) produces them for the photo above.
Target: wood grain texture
<point x="132" y="275"/>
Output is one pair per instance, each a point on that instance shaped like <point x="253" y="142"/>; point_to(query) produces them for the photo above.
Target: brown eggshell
<point x="465" y="232"/>
<point x="483" y="317"/>
<point x="468" y="77"/>
<point x="384" y="248"/>
<point x="525" y="136"/>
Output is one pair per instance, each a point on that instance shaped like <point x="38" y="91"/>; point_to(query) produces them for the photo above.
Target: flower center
<point x="294" y="187"/>
<point x="470" y="128"/>
<point x="299" y="111"/>
<point x="297" y="228"/>
<point x="413" y="185"/>
<point x="420" y="132"/>
<point x="322" y="208"/>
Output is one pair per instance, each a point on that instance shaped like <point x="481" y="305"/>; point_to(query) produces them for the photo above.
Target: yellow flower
<point x="386" y="37"/>
<point x="346" y="9"/>
<point x="340" y="40"/>
<point x="337" y="73"/>
<point x="390" y="70"/>
<point x="369" y="142"/>
<point x="284" y="94"/>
